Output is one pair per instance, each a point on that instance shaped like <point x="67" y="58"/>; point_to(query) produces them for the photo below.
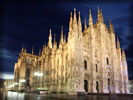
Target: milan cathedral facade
<point x="89" y="60"/>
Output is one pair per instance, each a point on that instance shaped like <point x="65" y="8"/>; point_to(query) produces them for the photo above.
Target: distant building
<point x="88" y="61"/>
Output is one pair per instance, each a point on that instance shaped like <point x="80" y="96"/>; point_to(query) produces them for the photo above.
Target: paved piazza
<point x="25" y="96"/>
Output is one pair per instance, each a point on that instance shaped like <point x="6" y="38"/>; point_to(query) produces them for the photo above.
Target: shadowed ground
<point x="26" y="96"/>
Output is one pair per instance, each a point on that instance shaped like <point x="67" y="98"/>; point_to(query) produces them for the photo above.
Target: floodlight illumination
<point x="22" y="80"/>
<point x="12" y="85"/>
<point x="38" y="74"/>
<point x="15" y="83"/>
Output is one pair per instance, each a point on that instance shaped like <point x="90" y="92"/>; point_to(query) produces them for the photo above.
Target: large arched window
<point x="96" y="68"/>
<point x="107" y="60"/>
<point x="85" y="64"/>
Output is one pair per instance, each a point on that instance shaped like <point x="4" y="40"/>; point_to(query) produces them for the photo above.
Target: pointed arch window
<point x="96" y="68"/>
<point x="85" y="64"/>
<point x="97" y="86"/>
<point x="107" y="60"/>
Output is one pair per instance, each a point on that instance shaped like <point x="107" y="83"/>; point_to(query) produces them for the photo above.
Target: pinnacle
<point x="85" y="26"/>
<point x="74" y="9"/>
<point x="79" y="13"/>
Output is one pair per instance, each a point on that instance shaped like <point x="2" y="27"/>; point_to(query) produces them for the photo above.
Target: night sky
<point x="29" y="24"/>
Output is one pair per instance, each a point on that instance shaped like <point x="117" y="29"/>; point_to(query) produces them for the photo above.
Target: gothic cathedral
<point x="87" y="61"/>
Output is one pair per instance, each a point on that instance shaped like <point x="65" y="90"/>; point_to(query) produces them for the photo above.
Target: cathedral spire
<point x="90" y="18"/>
<point x="64" y="38"/>
<point x="70" y="23"/>
<point x="85" y="25"/>
<point x="50" y="39"/>
<point x="123" y="54"/>
<point x="75" y="21"/>
<point x="118" y="43"/>
<point x="74" y="17"/>
<point x="61" y="40"/>
<point x="55" y="44"/>
<point x="39" y="52"/>
<point x="25" y="48"/>
<point x="32" y="50"/>
<point x="111" y="28"/>
<point x="79" y="23"/>
<point x="22" y="48"/>
<point x="101" y="16"/>
<point x="98" y="15"/>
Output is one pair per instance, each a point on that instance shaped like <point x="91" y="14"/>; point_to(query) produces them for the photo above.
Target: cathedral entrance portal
<point x="86" y="85"/>
<point x="97" y="87"/>
<point x="109" y="85"/>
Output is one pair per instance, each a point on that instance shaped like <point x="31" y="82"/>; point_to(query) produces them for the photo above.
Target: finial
<point x="90" y="18"/>
<point x="55" y="44"/>
<point x="79" y="20"/>
<point x="50" y="31"/>
<point x="123" y="54"/>
<point x="79" y="13"/>
<point x="64" y="38"/>
<point x="101" y="16"/>
<point x="98" y="9"/>
<point x="70" y="23"/>
<point x="50" y="39"/>
<point x="61" y="33"/>
<point x="22" y="48"/>
<point x="79" y="23"/>
<point x="74" y="10"/>
<point x="90" y="11"/>
<point x="62" y="29"/>
<point x="32" y="50"/>
<point x="71" y="14"/>
<point x="118" y="43"/>
<point x="98" y="15"/>
<point x="85" y="25"/>
<point x="111" y="29"/>
<point x="75" y="19"/>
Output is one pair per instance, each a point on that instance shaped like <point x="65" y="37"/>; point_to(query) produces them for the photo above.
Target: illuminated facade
<point x="88" y="61"/>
